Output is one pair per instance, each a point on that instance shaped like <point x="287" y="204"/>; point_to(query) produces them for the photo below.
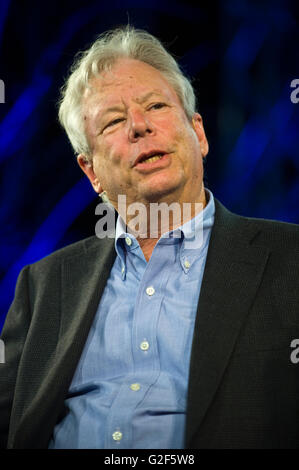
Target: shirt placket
<point x="146" y="363"/>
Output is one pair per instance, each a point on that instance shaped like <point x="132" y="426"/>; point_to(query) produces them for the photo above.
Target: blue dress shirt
<point x="129" y="390"/>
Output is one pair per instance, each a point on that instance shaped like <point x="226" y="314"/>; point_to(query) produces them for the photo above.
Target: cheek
<point x="189" y="151"/>
<point x="114" y="149"/>
<point x="108" y="163"/>
<point x="186" y="141"/>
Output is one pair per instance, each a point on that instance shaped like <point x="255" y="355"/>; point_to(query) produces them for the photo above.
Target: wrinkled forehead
<point x="127" y="78"/>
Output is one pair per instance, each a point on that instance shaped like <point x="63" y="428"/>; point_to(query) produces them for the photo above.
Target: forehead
<point x="127" y="79"/>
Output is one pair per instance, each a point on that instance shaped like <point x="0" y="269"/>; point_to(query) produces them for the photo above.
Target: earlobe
<point x="86" y="166"/>
<point x="205" y="149"/>
<point x="200" y="132"/>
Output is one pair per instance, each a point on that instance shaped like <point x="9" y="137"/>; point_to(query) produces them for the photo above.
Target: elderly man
<point x="148" y="341"/>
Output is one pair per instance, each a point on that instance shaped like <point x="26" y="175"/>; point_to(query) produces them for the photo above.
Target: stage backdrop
<point x="242" y="57"/>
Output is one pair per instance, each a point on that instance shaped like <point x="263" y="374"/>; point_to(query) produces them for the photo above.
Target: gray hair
<point x="110" y="46"/>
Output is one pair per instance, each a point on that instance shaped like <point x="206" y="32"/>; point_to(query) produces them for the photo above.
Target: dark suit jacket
<point x="243" y="388"/>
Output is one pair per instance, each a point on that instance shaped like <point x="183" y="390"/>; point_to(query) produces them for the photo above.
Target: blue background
<point x="241" y="55"/>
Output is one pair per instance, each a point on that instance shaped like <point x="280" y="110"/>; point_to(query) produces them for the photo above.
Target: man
<point x="148" y="341"/>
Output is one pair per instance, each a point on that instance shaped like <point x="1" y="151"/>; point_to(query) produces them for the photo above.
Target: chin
<point x="157" y="190"/>
<point x="158" y="194"/>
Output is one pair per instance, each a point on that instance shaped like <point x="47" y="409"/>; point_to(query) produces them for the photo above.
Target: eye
<point x="157" y="105"/>
<point x="113" y="123"/>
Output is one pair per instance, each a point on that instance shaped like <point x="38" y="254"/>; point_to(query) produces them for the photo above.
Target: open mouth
<point x="150" y="157"/>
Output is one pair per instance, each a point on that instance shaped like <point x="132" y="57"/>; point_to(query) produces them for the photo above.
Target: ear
<point x="87" y="167"/>
<point x="200" y="132"/>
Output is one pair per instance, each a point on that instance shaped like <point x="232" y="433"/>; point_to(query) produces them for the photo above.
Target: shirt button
<point x="135" y="387"/>
<point x="144" y="345"/>
<point x="150" y="290"/>
<point x="187" y="264"/>
<point x="117" y="435"/>
<point x="128" y="241"/>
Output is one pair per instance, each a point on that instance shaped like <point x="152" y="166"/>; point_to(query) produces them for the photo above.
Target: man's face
<point x="143" y="145"/>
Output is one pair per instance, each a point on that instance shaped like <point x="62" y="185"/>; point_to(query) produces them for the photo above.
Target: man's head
<point x="126" y="100"/>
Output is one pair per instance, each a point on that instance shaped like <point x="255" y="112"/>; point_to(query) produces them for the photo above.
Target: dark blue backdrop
<point x="242" y="57"/>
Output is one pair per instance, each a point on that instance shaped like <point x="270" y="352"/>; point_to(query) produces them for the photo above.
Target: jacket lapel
<point x="83" y="279"/>
<point x="232" y="275"/>
<point x="83" y="284"/>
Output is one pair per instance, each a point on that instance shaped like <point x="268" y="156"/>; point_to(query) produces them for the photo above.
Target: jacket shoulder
<point x="74" y="250"/>
<point x="275" y="234"/>
<point x="265" y="232"/>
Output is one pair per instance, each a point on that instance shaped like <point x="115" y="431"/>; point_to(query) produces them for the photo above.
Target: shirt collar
<point x="196" y="234"/>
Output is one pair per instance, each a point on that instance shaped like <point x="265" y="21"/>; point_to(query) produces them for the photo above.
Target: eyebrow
<point x="148" y="95"/>
<point x="143" y="99"/>
<point x="112" y="109"/>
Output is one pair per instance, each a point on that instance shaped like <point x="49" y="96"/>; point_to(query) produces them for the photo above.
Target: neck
<point x="156" y="219"/>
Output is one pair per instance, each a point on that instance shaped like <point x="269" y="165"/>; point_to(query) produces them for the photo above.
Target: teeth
<point x="154" y="158"/>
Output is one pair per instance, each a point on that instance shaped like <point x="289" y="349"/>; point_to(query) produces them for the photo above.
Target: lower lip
<point x="148" y="166"/>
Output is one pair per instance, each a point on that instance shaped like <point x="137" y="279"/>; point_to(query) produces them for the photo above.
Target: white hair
<point x="110" y="46"/>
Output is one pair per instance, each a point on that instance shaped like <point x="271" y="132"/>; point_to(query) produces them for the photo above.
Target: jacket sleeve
<point x="13" y="338"/>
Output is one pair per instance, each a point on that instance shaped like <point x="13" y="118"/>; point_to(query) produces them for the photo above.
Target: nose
<point x="140" y="126"/>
